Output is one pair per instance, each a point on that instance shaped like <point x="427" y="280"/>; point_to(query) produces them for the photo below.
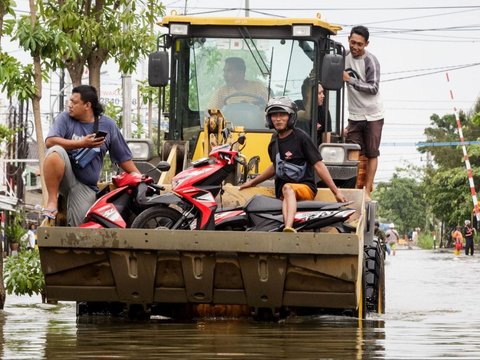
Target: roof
<point x="249" y="21"/>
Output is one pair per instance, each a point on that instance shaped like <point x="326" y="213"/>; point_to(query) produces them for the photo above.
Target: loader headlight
<point x="178" y="29"/>
<point x="142" y="149"/>
<point x="332" y="154"/>
<point x="301" y="30"/>
<point x="340" y="154"/>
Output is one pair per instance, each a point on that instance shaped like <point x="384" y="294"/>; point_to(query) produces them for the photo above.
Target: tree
<point x="14" y="79"/>
<point x="402" y="201"/>
<point x="448" y="192"/>
<point x="445" y="129"/>
<point x="101" y="30"/>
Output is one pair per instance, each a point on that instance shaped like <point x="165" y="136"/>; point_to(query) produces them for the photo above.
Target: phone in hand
<point x="100" y="133"/>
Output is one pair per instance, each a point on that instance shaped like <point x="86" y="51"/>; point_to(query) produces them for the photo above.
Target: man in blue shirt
<point x="73" y="131"/>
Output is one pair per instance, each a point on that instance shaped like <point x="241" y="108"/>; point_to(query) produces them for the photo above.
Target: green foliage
<point x="15" y="231"/>
<point x="45" y="42"/>
<point x="6" y="7"/>
<point x="445" y="129"/>
<point x="23" y="274"/>
<point x="402" y="201"/>
<point x="86" y="23"/>
<point x="448" y="191"/>
<point x="147" y="93"/>
<point x="7" y="135"/>
<point x="425" y="241"/>
<point x="16" y="79"/>
<point x="114" y="112"/>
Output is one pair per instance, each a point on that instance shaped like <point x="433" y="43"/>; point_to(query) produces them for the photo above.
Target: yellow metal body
<point x="249" y="21"/>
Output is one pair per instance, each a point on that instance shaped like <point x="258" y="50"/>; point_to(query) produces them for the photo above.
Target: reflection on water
<point x="431" y="312"/>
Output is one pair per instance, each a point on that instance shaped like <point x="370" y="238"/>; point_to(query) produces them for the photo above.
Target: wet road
<point x="432" y="312"/>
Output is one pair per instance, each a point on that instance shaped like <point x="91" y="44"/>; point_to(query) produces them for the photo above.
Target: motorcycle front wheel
<point x="156" y="218"/>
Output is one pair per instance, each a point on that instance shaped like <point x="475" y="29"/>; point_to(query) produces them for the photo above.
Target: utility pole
<point x="127" y="105"/>
<point x="61" y="100"/>
<point x="127" y="99"/>
<point x="247" y="8"/>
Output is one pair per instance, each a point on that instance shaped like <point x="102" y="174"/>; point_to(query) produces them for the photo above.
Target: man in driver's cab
<point x="237" y="89"/>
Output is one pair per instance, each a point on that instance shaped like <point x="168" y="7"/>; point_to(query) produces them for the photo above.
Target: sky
<point x="415" y="44"/>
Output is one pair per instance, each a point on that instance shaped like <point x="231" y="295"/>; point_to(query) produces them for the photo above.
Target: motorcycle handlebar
<point x="240" y="159"/>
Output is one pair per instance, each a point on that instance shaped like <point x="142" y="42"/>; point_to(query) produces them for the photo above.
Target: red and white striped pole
<point x="465" y="157"/>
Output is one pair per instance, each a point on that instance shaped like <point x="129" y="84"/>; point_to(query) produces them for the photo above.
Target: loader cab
<point x="230" y="67"/>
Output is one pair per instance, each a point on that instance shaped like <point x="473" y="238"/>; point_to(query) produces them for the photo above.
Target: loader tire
<point x="375" y="276"/>
<point x="159" y="217"/>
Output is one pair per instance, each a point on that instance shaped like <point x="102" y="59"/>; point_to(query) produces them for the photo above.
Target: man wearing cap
<point x="392" y="238"/>
<point x="295" y="159"/>
<point x="468" y="232"/>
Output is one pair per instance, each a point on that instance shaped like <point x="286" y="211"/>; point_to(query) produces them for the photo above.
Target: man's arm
<point x="372" y="77"/>
<point x="129" y="167"/>
<point x="88" y="141"/>
<point x="324" y="174"/>
<point x="265" y="175"/>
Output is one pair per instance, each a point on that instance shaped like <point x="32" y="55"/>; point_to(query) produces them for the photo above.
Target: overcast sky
<point x="416" y="44"/>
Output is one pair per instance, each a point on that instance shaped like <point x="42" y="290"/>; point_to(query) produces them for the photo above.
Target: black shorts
<point x="367" y="134"/>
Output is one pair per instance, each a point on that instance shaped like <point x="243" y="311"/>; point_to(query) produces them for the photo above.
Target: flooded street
<point x="431" y="312"/>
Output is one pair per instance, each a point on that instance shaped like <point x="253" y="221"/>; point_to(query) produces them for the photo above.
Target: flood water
<point x="432" y="311"/>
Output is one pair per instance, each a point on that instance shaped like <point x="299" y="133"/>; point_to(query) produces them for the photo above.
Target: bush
<point x="23" y="275"/>
<point x="425" y="241"/>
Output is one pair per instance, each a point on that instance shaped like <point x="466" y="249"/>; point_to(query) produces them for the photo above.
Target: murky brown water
<point x="432" y="312"/>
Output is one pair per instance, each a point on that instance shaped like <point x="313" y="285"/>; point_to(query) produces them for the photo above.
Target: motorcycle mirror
<point x="163" y="166"/>
<point x="241" y="139"/>
<point x="225" y="134"/>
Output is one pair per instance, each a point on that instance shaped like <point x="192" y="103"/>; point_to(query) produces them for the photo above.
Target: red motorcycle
<point x="191" y="205"/>
<point x="119" y="207"/>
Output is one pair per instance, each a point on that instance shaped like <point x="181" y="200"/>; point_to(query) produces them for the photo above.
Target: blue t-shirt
<point x="68" y="128"/>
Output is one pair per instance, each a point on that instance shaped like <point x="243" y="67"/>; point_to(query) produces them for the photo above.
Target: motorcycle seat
<point x="266" y="203"/>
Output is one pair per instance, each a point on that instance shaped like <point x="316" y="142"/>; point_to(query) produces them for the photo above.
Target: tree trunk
<point x="2" y="286"/>
<point x="37" y="75"/>
<point x="75" y="70"/>
<point x="95" y="62"/>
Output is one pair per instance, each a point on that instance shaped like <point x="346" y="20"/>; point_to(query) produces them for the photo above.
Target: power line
<point x="343" y="9"/>
<point x="455" y="67"/>
<point x="419" y="17"/>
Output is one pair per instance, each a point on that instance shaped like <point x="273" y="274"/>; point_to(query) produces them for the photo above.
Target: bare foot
<point x="367" y="197"/>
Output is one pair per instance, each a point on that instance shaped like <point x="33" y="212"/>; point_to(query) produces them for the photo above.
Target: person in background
<point x="365" y="119"/>
<point x="415" y="236"/>
<point x="32" y="236"/>
<point x="73" y="131"/>
<point x="290" y="146"/>
<point x="324" y="121"/>
<point x="457" y="239"/>
<point x="468" y="232"/>
<point x="382" y="237"/>
<point x="237" y="88"/>
<point x="392" y="238"/>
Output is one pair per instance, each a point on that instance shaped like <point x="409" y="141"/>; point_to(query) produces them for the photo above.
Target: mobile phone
<point x="100" y="133"/>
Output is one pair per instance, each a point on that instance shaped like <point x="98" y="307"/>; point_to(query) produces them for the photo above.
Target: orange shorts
<point x="302" y="191"/>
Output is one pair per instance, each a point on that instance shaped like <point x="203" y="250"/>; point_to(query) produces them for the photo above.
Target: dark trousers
<point x="468" y="245"/>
